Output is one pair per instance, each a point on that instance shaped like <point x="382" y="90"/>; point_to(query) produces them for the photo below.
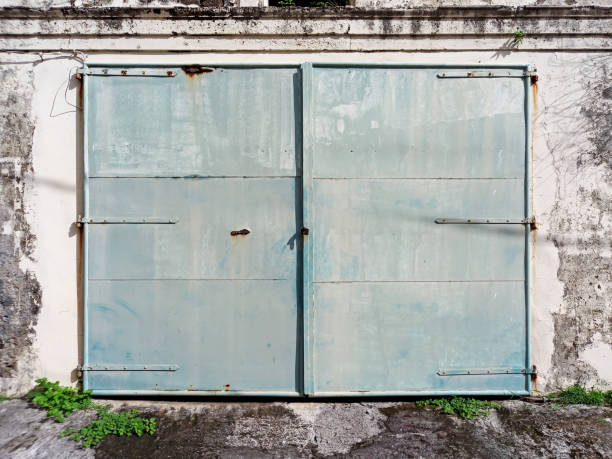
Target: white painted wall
<point x="53" y="207"/>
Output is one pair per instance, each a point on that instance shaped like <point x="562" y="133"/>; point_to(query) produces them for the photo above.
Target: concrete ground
<point x="318" y="429"/>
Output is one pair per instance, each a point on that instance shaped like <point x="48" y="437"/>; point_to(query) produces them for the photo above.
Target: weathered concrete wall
<point x="572" y="170"/>
<point x="580" y="223"/>
<point x="20" y="292"/>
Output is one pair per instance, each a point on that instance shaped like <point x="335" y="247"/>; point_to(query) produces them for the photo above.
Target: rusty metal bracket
<point x="126" y="221"/>
<point x="485" y="221"/>
<point x="196" y="69"/>
<point x="128" y="72"/>
<point x="486" y="371"/>
<point x="242" y="232"/>
<point x="127" y="367"/>
<point x="305" y="231"/>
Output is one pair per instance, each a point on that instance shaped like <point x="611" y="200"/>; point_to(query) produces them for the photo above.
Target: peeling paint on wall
<point x="20" y="292"/>
<point x="582" y="232"/>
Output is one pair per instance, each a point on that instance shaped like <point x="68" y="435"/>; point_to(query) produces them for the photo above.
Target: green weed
<point x="4" y="397"/>
<point x="59" y="401"/>
<point x="121" y="424"/>
<point x="518" y="36"/>
<point x="579" y="395"/>
<point x="467" y="408"/>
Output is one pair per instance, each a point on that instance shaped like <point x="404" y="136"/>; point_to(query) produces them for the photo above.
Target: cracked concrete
<point x="332" y="429"/>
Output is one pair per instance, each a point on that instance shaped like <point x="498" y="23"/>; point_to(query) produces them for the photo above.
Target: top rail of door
<point x="315" y="64"/>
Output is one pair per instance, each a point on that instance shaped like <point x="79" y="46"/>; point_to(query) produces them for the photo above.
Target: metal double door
<point x="318" y="230"/>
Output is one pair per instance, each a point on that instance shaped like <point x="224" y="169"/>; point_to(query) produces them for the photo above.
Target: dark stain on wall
<point x="599" y="119"/>
<point x="20" y="292"/>
<point x="583" y="235"/>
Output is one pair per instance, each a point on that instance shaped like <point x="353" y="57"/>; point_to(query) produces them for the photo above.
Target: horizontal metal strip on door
<point x="207" y="392"/>
<point x="131" y="72"/>
<point x="486" y="371"/>
<point x="194" y="176"/>
<point x="486" y="74"/>
<point x="383" y="281"/>
<point x="414" y="178"/>
<point x="199" y="279"/>
<point x="484" y="221"/>
<point x="127" y="221"/>
<point x="128" y="367"/>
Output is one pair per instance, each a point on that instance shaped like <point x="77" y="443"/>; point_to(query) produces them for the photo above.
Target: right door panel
<point x="395" y="302"/>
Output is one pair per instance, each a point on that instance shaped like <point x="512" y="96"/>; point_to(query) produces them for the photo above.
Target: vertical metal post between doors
<point x="307" y="221"/>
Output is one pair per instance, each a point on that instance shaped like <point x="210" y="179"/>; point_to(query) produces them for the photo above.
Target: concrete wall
<point x="41" y="156"/>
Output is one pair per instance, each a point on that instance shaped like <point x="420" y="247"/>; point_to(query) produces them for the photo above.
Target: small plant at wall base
<point x="59" y="401"/>
<point x="467" y="408"/>
<point x="121" y="424"/>
<point x="579" y="395"/>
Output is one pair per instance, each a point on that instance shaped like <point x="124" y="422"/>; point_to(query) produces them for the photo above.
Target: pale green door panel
<point x="199" y="245"/>
<point x="229" y="122"/>
<point x="395" y="302"/>
<point x="186" y="306"/>
<point x="421" y="125"/>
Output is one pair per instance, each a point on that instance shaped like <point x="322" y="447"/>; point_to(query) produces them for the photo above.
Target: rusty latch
<point x="242" y="232"/>
<point x="305" y="231"/>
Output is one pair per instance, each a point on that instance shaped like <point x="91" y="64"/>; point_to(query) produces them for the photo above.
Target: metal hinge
<point x="130" y="72"/>
<point x="487" y="74"/>
<point x="127" y="367"/>
<point x="486" y="371"/>
<point x="486" y="221"/>
<point x="126" y="221"/>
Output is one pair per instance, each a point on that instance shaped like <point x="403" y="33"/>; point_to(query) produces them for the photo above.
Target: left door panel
<point x="187" y="306"/>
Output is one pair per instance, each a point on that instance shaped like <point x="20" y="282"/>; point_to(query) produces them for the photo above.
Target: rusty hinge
<point x="127" y="367"/>
<point x="486" y="371"/>
<point x="242" y="232"/>
<point x="486" y="221"/>
<point x="125" y="221"/>
<point x="305" y="231"/>
<point x="127" y="72"/>
<point x="487" y="74"/>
